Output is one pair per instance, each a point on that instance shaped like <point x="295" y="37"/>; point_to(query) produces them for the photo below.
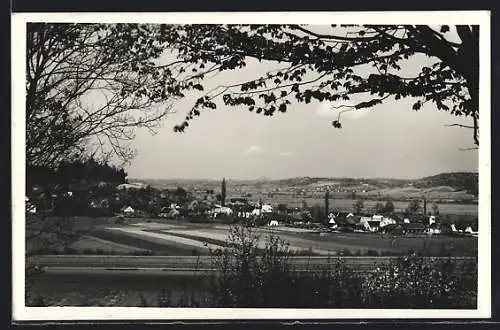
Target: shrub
<point x="247" y="279"/>
<point x="373" y="253"/>
<point x="418" y="282"/>
<point x="32" y="298"/>
<point x="165" y="298"/>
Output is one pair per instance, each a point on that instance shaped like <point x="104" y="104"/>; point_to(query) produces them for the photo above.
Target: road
<point x="185" y="265"/>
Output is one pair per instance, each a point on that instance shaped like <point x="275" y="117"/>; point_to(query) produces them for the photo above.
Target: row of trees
<point x="414" y="207"/>
<point x="90" y="170"/>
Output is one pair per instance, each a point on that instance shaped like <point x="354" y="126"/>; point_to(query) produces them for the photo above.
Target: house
<point x="30" y="208"/>
<point x="169" y="213"/>
<point x="432" y="219"/>
<point x="451" y="229"/>
<point x="421" y="218"/>
<point x="364" y="223"/>
<point x="371" y="224"/>
<point x="414" y="228"/>
<point x="221" y="210"/>
<point x="273" y="223"/>
<point x="347" y="223"/>
<point x="266" y="208"/>
<point x="394" y="229"/>
<point x="471" y="231"/>
<point x="386" y="221"/>
<point x="128" y="210"/>
<point x="434" y="229"/>
<point x="331" y="221"/>
<point x="127" y="186"/>
<point x="365" y="218"/>
<point x="374" y="225"/>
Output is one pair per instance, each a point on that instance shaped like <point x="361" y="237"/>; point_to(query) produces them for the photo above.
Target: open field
<point x="345" y="204"/>
<point x="92" y="243"/>
<point x="174" y="238"/>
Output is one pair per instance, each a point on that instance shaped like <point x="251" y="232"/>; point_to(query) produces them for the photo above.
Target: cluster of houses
<point x="418" y="224"/>
<point x="250" y="211"/>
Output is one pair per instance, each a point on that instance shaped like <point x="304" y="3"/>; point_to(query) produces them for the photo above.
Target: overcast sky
<point x="390" y="140"/>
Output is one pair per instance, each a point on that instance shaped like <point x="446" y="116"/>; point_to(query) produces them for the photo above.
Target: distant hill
<point x="462" y="181"/>
<point x="465" y="182"/>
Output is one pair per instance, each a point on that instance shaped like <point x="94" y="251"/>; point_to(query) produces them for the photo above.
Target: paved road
<point x="182" y="264"/>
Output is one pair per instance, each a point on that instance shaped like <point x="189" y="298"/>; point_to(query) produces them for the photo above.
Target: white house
<point x="470" y="231"/>
<point x="386" y="221"/>
<point x="434" y="231"/>
<point x="332" y="222"/>
<point x="365" y="222"/>
<point x="266" y="208"/>
<point x="30" y="208"/>
<point x="128" y="210"/>
<point x="273" y="223"/>
<point x="221" y="210"/>
<point x="432" y="219"/>
<point x="135" y="185"/>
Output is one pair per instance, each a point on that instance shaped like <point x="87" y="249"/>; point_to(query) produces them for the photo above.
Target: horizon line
<point x="299" y="177"/>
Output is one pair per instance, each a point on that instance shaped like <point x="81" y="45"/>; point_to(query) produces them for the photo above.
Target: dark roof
<point x="418" y="217"/>
<point x="343" y="221"/>
<point x="393" y="226"/>
<point x="354" y="220"/>
<point x="414" y="225"/>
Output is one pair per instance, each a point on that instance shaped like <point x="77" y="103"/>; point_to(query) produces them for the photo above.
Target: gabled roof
<point x="127" y="209"/>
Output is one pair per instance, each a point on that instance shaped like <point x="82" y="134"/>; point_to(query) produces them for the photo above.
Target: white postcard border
<point x="18" y="33"/>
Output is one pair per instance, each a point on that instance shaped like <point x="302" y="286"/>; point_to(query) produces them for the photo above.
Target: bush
<point x="249" y="278"/>
<point x="419" y="282"/>
<point x="32" y="271"/>
<point x="373" y="253"/>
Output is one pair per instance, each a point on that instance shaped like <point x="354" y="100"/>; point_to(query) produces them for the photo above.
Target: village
<point x="138" y="200"/>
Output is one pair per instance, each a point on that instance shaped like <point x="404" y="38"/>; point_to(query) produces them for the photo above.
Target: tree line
<point x="90" y="170"/>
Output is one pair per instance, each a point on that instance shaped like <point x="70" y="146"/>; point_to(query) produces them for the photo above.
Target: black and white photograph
<point x="251" y="165"/>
